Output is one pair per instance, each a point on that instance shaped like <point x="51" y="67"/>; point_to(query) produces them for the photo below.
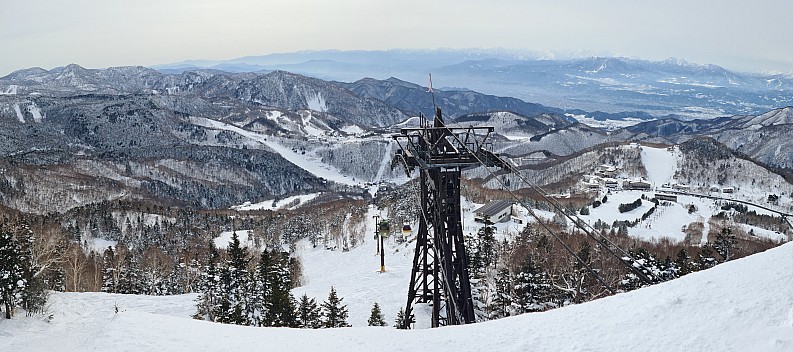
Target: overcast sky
<point x="739" y="35"/>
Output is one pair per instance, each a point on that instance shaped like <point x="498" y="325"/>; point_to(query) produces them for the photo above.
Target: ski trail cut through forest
<point x="385" y="163"/>
<point x="315" y="167"/>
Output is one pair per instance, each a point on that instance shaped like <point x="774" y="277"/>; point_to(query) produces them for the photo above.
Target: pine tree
<point x="725" y="244"/>
<point x="236" y="283"/>
<point x="208" y="299"/>
<point x="109" y="284"/>
<point x="308" y="314"/>
<point x="646" y="263"/>
<point x="272" y="303"/>
<point x="376" y="318"/>
<point x="400" y="319"/>
<point x="705" y="259"/>
<point x="11" y="271"/>
<point x="683" y="262"/>
<point x="502" y="296"/>
<point x="334" y="314"/>
<point x="532" y="289"/>
<point x="33" y="295"/>
<point x="487" y="244"/>
<point x="579" y="278"/>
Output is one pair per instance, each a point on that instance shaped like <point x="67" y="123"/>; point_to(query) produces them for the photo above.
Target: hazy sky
<point x="740" y="35"/>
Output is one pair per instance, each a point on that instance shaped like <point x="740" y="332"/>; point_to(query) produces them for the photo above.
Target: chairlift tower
<point x="440" y="265"/>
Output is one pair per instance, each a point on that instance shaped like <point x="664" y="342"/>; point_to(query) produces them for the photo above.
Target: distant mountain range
<point x="73" y="136"/>
<point x="765" y="137"/>
<point x="610" y="84"/>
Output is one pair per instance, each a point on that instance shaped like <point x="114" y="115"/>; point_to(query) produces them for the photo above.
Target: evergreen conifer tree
<point x="11" y="271"/>
<point x="272" y="303"/>
<point x="376" y="318"/>
<point x="334" y="314"/>
<point x="208" y="298"/>
<point x="683" y="262"/>
<point x="109" y="284"/>
<point x="532" y="289"/>
<point x="400" y="319"/>
<point x="308" y="314"/>
<point x="725" y="244"/>
<point x="705" y="259"/>
<point x="502" y="295"/>
<point x="235" y="280"/>
<point x="33" y="295"/>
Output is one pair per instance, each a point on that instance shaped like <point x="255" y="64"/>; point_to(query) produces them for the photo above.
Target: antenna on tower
<point x="434" y="107"/>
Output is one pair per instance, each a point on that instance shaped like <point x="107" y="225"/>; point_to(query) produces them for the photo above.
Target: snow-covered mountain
<point x="279" y="89"/>
<point x="164" y="168"/>
<point x="611" y="84"/>
<point x="763" y="137"/>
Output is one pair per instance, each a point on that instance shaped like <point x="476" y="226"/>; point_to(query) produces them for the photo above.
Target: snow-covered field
<point x="742" y="305"/>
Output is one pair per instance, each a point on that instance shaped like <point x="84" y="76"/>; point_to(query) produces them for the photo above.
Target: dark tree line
<point x="244" y="291"/>
<point x="533" y="273"/>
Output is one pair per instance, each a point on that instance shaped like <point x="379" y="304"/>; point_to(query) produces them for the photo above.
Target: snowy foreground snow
<point x="743" y="305"/>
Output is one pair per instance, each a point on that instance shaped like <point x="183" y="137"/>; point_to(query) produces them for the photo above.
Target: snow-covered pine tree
<point x="33" y="296"/>
<point x="376" y="318"/>
<point x="486" y="244"/>
<point x="649" y="265"/>
<point x="400" y="318"/>
<point x="308" y="313"/>
<point x="334" y="314"/>
<point x="683" y="263"/>
<point x="499" y="306"/>
<point x="235" y="281"/>
<point x="129" y="276"/>
<point x="273" y="303"/>
<point x="12" y="281"/>
<point x="576" y="281"/>
<point x="208" y="299"/>
<point x="705" y="259"/>
<point x="532" y="289"/>
<point x="725" y="244"/>
<point x="109" y="284"/>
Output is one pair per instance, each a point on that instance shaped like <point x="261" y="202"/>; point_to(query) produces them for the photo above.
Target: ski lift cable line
<point x="559" y="208"/>
<point x="581" y="224"/>
<point x="578" y="222"/>
<point x="545" y="226"/>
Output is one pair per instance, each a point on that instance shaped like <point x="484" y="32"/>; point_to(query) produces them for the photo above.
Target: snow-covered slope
<point x="312" y="166"/>
<point x="660" y="164"/>
<point x="743" y="305"/>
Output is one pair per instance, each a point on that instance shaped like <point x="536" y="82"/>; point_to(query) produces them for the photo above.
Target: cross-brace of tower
<point x="440" y="273"/>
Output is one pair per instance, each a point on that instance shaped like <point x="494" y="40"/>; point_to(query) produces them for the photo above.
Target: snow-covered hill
<point x="743" y="305"/>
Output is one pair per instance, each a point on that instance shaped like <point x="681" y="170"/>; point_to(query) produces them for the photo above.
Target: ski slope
<point x="660" y="164"/>
<point x="315" y="167"/>
<point x="742" y="305"/>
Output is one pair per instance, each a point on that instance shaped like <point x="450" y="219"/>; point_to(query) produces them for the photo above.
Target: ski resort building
<point x="637" y="184"/>
<point x="605" y="171"/>
<point x="495" y="211"/>
<point x="667" y="197"/>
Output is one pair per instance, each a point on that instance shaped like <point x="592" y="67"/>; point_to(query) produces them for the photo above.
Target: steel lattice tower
<point x="440" y="273"/>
